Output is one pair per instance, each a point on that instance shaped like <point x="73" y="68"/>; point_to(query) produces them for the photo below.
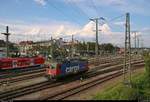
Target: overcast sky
<point x="40" y="19"/>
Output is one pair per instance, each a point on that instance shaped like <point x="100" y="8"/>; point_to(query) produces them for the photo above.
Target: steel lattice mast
<point x="127" y="53"/>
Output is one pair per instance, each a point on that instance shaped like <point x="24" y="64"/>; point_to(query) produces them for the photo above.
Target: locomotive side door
<point x="73" y="67"/>
<point x="32" y="61"/>
<point x="65" y="68"/>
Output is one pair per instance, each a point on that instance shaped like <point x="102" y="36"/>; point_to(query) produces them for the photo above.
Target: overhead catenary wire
<point x="75" y="4"/>
<point x="62" y="12"/>
<point x="72" y="3"/>
<point x="108" y="22"/>
<point x="111" y="20"/>
<point x="95" y="7"/>
<point x="115" y="18"/>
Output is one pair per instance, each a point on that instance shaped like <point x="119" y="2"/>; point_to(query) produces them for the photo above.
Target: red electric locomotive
<point x="59" y="69"/>
<point x="15" y="63"/>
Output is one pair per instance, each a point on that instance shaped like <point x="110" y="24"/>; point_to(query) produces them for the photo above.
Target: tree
<point x="107" y="48"/>
<point x="2" y="43"/>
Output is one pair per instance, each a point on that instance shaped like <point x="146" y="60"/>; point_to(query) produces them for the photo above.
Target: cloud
<point x="105" y="29"/>
<point x="146" y="29"/>
<point x="87" y="30"/>
<point x="55" y="29"/>
<point x="21" y="31"/>
<point x="25" y="31"/>
<point x="41" y="2"/>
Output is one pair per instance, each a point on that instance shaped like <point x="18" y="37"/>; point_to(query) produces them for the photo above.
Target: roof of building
<point x="26" y="42"/>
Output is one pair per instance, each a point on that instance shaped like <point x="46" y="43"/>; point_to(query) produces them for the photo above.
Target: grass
<point x="140" y="87"/>
<point x="120" y="91"/>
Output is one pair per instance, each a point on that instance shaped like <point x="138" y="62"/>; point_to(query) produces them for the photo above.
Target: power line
<point x="75" y="5"/>
<point x="94" y="6"/>
<point x="115" y="18"/>
<point x="108" y="21"/>
<point x="63" y="13"/>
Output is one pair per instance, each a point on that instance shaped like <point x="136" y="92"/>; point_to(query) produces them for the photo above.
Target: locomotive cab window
<point x="53" y="65"/>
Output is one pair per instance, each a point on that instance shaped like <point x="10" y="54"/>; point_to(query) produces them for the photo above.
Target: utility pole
<point x="96" y="46"/>
<point x="127" y="53"/>
<point x="135" y="39"/>
<point x="142" y="45"/>
<point x="7" y="40"/>
<point x="88" y="47"/>
<point x="138" y="42"/>
<point x="72" y="51"/>
<point x="51" y="48"/>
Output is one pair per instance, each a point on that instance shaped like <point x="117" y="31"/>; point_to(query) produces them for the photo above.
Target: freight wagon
<point x="59" y="68"/>
<point x="16" y="63"/>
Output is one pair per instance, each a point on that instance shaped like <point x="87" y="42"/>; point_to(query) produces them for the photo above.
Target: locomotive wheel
<point x="51" y="78"/>
<point x="48" y="77"/>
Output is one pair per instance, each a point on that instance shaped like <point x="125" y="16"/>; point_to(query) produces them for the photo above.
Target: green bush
<point x="120" y="92"/>
<point x="140" y="87"/>
<point x="147" y="65"/>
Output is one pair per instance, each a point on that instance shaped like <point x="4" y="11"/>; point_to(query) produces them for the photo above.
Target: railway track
<point x="34" y="88"/>
<point x="17" y="72"/>
<point x="23" y="76"/>
<point x="41" y="72"/>
<point x="103" y="60"/>
<point x="33" y="73"/>
<point x="22" y="79"/>
<point x="79" y="88"/>
<point x="97" y="61"/>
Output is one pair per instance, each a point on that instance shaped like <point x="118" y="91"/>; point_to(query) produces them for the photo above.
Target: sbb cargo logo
<point x="73" y="69"/>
